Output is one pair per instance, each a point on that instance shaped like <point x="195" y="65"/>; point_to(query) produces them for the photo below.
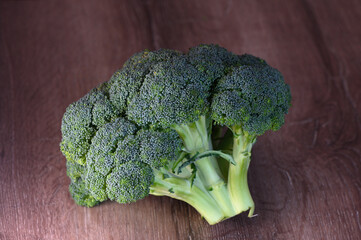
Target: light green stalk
<point x="196" y="138"/>
<point x="237" y="174"/>
<point x="195" y="195"/>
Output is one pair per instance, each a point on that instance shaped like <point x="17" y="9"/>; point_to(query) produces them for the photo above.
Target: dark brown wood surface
<point x="305" y="179"/>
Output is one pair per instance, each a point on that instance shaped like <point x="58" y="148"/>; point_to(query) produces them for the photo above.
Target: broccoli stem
<point x="237" y="175"/>
<point x="193" y="194"/>
<point x="196" y="138"/>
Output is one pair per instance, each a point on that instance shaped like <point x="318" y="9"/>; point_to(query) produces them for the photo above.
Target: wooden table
<point x="305" y="179"/>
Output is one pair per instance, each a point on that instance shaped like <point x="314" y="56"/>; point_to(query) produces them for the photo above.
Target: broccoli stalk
<point x="197" y="140"/>
<point x="237" y="174"/>
<point x="193" y="193"/>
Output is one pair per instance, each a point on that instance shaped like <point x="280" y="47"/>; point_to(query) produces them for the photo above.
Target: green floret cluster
<point x="177" y="125"/>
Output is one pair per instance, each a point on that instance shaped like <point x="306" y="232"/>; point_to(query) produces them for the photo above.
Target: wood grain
<point x="305" y="179"/>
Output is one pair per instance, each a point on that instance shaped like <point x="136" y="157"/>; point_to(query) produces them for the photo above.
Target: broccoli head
<point x="148" y="130"/>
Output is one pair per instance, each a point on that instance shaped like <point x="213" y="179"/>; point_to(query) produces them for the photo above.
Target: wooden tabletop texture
<point x="305" y="179"/>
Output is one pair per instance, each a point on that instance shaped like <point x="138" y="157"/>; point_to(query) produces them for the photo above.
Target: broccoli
<point x="177" y="125"/>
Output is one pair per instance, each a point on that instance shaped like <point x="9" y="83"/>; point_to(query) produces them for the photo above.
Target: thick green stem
<point x="237" y="175"/>
<point x="196" y="139"/>
<point x="195" y="195"/>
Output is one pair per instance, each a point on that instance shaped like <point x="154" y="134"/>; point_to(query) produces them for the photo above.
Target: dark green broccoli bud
<point x="145" y="59"/>
<point x="125" y="84"/>
<point x="74" y="170"/>
<point x="78" y="189"/>
<point x="255" y="98"/>
<point x="213" y="60"/>
<point x="81" y="195"/>
<point x="127" y="81"/>
<point x="129" y="182"/>
<point x="102" y="153"/>
<point x="158" y="149"/>
<point x="174" y="92"/>
<point x="81" y="121"/>
<point x="77" y="131"/>
<point x="249" y="60"/>
<point x="95" y="184"/>
<point x="103" y="111"/>
<point x="127" y="150"/>
<point x="103" y="88"/>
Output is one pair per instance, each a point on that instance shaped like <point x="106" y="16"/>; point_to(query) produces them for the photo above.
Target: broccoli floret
<point x="127" y="81"/>
<point x="254" y="98"/>
<point x="77" y="188"/>
<point x="212" y="60"/>
<point x="173" y="92"/>
<point x="81" y="195"/>
<point x="81" y="121"/>
<point x="148" y="130"/>
<point x="74" y="170"/>
<point x="112" y="146"/>
<point x="129" y="182"/>
<point x="158" y="149"/>
<point x="251" y="100"/>
<point x="102" y="153"/>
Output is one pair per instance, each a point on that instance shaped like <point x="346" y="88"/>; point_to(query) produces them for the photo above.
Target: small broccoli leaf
<point x="221" y="154"/>
<point x="209" y="153"/>
<point x="188" y="162"/>
<point x="194" y="172"/>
